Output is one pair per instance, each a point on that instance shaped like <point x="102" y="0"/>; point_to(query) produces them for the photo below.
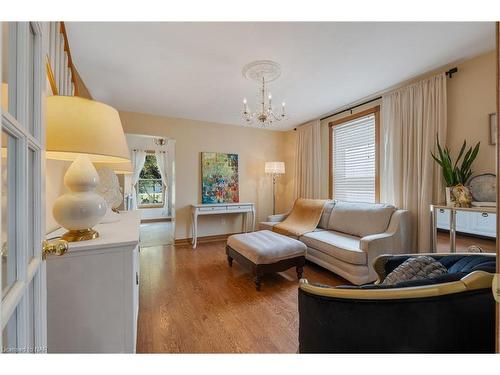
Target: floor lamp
<point x="275" y="169"/>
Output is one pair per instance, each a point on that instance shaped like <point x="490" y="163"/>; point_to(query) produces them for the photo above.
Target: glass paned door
<point x="22" y="271"/>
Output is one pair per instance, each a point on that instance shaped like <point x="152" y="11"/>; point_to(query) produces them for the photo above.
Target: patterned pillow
<point x="418" y="268"/>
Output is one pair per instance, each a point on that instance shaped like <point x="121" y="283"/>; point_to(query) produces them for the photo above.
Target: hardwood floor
<point x="191" y="301"/>
<point x="463" y="242"/>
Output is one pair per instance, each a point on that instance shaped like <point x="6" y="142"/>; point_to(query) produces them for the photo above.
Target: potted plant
<point x="453" y="173"/>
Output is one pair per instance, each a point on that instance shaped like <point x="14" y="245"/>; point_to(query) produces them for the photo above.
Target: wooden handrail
<point x="70" y="60"/>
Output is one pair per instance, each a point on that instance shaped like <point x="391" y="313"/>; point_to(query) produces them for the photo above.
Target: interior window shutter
<point x="353" y="155"/>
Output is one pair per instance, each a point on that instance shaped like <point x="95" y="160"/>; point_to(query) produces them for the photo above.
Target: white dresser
<point x="93" y="291"/>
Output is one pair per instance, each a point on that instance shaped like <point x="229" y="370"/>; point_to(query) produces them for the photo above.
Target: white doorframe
<point x="25" y="300"/>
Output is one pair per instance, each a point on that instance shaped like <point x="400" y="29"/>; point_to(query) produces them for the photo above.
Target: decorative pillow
<point x="325" y="216"/>
<point x="360" y="219"/>
<point x="421" y="267"/>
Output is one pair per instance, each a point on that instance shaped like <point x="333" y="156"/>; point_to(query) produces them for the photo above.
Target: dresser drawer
<point x="239" y="208"/>
<point x="483" y="223"/>
<point x="443" y="218"/>
<point x="463" y="221"/>
<point x="208" y="209"/>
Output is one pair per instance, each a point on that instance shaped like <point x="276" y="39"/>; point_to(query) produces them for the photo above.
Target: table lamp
<point x="82" y="131"/>
<point x="275" y="169"/>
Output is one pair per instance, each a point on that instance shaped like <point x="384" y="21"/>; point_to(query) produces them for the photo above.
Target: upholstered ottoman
<point x="266" y="252"/>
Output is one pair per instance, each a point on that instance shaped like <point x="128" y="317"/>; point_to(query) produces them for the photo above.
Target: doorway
<point x="151" y="187"/>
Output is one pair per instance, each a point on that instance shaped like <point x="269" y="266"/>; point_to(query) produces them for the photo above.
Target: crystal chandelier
<point x="262" y="71"/>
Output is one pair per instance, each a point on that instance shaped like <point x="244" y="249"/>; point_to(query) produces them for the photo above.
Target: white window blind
<point x="353" y="160"/>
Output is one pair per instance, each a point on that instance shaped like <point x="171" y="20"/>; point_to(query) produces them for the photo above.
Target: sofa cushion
<point x="325" y="216"/>
<point x="418" y="268"/>
<point x="338" y="245"/>
<point x="360" y="219"/>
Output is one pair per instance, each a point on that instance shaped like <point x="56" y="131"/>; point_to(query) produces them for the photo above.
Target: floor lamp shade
<point x="82" y="131"/>
<point x="274" y="167"/>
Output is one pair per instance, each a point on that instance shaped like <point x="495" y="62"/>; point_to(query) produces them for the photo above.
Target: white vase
<point x="81" y="208"/>
<point x="447" y="191"/>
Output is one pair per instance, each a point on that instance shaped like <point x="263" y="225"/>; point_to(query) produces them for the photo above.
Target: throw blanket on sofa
<point x="303" y="218"/>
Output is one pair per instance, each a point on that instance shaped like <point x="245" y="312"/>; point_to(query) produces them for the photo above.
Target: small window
<point x="353" y="170"/>
<point x="150" y="185"/>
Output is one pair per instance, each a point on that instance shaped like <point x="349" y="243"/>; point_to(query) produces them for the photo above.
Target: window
<point x="150" y="185"/>
<point x="354" y="157"/>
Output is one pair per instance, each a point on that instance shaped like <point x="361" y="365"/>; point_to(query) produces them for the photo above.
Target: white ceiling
<point x="193" y="70"/>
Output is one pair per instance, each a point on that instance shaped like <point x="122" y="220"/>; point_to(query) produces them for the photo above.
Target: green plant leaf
<point x="464" y="145"/>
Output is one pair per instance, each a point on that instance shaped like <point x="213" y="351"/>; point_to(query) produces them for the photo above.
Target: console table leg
<point x="244" y="222"/>
<point x="257" y="280"/>
<point x="195" y="230"/>
<point x="453" y="230"/>
<point x="300" y="270"/>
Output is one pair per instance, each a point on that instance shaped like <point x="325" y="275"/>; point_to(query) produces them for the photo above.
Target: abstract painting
<point x="219" y="178"/>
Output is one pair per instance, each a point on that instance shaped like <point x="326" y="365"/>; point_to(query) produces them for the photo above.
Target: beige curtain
<point x="307" y="183"/>
<point x="410" y="179"/>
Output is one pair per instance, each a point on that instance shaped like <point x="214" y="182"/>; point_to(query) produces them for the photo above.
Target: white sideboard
<point x="480" y="222"/>
<point x="220" y="209"/>
<point x="93" y="291"/>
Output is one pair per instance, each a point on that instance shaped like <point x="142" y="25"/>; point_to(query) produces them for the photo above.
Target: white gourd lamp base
<point x="81" y="208"/>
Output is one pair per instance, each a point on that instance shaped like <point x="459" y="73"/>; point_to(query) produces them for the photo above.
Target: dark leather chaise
<point x="453" y="313"/>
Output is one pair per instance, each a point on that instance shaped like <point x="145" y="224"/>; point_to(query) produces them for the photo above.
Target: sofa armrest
<point x="374" y="241"/>
<point x="395" y="240"/>
<point x="376" y="245"/>
<point x="277" y="218"/>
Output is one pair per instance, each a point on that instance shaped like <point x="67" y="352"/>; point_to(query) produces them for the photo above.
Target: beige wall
<point x="254" y="147"/>
<point x="471" y="98"/>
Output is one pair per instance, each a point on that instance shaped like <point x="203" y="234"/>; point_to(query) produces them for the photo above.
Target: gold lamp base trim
<point x="80" y="235"/>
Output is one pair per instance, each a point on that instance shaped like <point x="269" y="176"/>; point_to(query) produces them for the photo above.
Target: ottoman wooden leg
<point x="256" y="280"/>
<point x="300" y="270"/>
<point x="229" y="261"/>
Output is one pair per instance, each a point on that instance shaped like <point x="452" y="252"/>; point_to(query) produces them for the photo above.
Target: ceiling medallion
<point x="262" y="71"/>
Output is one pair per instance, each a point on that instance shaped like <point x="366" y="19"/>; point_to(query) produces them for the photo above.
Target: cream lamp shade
<point x="83" y="131"/>
<point x="274" y="167"/>
<point x="81" y="126"/>
<point x="118" y="168"/>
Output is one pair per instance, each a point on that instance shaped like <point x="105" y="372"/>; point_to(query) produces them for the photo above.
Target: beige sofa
<point x="350" y="235"/>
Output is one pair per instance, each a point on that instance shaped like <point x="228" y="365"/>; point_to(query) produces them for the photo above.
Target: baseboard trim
<point x="156" y="220"/>
<point x="204" y="239"/>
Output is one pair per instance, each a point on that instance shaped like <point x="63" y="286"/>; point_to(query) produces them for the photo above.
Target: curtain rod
<point x="448" y="73"/>
<point x="351" y="108"/>
<point x="149" y="151"/>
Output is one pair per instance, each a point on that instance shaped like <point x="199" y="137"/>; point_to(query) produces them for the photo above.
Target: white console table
<point x="221" y="209"/>
<point x="471" y="220"/>
<point x="93" y="291"/>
